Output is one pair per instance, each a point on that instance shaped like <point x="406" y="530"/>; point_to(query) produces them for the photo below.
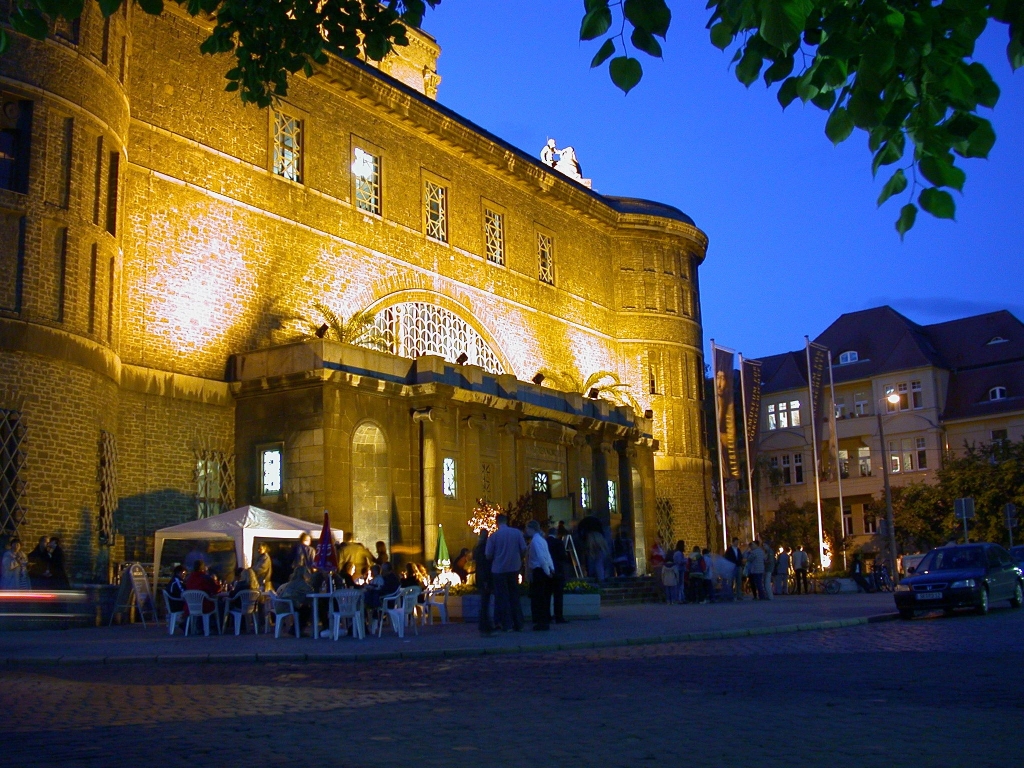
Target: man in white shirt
<point x="505" y="549"/>
<point x="541" y="568"/>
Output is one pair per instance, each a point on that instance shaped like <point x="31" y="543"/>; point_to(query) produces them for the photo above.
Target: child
<point x="670" y="581"/>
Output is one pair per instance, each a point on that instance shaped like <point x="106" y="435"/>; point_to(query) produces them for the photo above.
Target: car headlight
<point x="902" y="588"/>
<point x="962" y="584"/>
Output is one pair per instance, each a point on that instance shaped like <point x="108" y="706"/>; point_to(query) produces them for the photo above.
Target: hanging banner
<point x="751" y="373"/>
<point x="817" y="379"/>
<point x="726" y="410"/>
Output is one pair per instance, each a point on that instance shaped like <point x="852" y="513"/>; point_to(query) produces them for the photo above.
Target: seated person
<point x="297" y="589"/>
<point x="202" y="580"/>
<point x="245" y="578"/>
<point x="460" y="566"/>
<point x="176" y="587"/>
<point x="346" y="579"/>
<point x="388" y="585"/>
<point x="416" y="576"/>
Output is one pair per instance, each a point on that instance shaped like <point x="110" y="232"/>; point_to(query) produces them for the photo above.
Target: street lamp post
<point x="894" y="399"/>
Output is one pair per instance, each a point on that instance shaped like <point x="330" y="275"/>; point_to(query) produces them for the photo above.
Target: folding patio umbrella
<point x="442" y="559"/>
<point x="326" y="558"/>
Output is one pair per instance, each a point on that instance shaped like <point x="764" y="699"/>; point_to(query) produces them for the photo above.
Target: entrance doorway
<point x="371" y="513"/>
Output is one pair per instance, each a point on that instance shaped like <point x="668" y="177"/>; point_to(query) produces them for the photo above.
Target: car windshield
<point x="950" y="559"/>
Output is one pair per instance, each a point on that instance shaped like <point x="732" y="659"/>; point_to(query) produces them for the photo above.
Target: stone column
<point x="430" y="479"/>
<point x="505" y="479"/>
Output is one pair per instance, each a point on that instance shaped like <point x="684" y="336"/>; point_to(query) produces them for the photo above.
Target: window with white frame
<point x="772" y="419"/>
<point x="787" y="471"/>
<point x="894" y="457"/>
<point x="541" y="482"/>
<point x="546" y="258"/>
<point x="435" y="202"/>
<point x="997" y="393"/>
<point x="416" y="328"/>
<point x="870" y="524"/>
<point x="366" y="171"/>
<point x="448" y="480"/>
<point x="922" y="452"/>
<point x="864" y="461"/>
<point x="287" y="146"/>
<point x="783" y="415"/>
<point x="909" y="451"/>
<point x="845" y="358"/>
<point x="613" y="496"/>
<point x="847" y="521"/>
<point x="798" y="468"/>
<point x="917" y="394"/>
<point x="999" y="435"/>
<point x="890" y="406"/>
<point x="271" y="464"/>
<point x="494" y="236"/>
<point x="794" y="413"/>
<point x="860" y="404"/>
<point x="844" y="463"/>
<point x="585" y="492"/>
<point x="840" y="408"/>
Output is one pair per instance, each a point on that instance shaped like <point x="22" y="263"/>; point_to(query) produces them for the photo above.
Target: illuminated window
<point x="847" y="521"/>
<point x="783" y="416"/>
<point x="270" y="471"/>
<point x="287" y="146"/>
<point x="436" y="203"/>
<point x="546" y="258"/>
<point x="448" y="486"/>
<point x="917" y="394"/>
<point x="541" y="482"/>
<point x="794" y="413"/>
<point x="848" y="357"/>
<point x="772" y="423"/>
<point x="864" y="461"/>
<point x="613" y="497"/>
<point x="494" y="235"/>
<point x="844" y="464"/>
<point x="416" y="328"/>
<point x="894" y="457"/>
<point x="870" y="523"/>
<point x="585" y="492"/>
<point x="366" y="170"/>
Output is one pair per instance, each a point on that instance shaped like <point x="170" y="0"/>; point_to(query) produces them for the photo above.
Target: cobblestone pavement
<point x="933" y="692"/>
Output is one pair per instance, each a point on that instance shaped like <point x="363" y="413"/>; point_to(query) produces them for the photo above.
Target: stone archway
<point x="371" y="512"/>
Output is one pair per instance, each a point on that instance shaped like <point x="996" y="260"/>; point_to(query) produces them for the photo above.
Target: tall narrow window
<point x="901" y="390"/>
<point x="366" y="170"/>
<point x="585" y="492"/>
<point x="110" y="304"/>
<point x="798" y="467"/>
<point x="15" y="133"/>
<point x="860" y="404"/>
<point x="541" y="482"/>
<point x="894" y="457"/>
<point x="97" y="181"/>
<point x="270" y="471"/>
<point x="67" y="152"/>
<point x="922" y="453"/>
<point x="772" y="422"/>
<point x="787" y="474"/>
<point x="61" y="268"/>
<point x="112" y="177"/>
<point x="870" y="523"/>
<point x="214" y="483"/>
<point x="613" y="496"/>
<point x="449" y="488"/>
<point x="917" y="394"/>
<point x="494" y="236"/>
<point x="92" y="288"/>
<point x="844" y="463"/>
<point x="783" y="416"/>
<point x="794" y="413"/>
<point x="287" y="140"/>
<point x="864" y="461"/>
<point x="124" y="58"/>
<point x="12" y="465"/>
<point x="847" y="521"/>
<point x="105" y="48"/>
<point x="546" y="258"/>
<point x="435" y="201"/>
<point x="12" y="260"/>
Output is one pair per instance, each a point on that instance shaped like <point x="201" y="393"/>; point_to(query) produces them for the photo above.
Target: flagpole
<point x="835" y="436"/>
<point x="814" y="444"/>
<point x="718" y="442"/>
<point x="746" y="445"/>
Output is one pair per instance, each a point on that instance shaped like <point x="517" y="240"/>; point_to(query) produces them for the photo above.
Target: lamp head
<point x="893" y="398"/>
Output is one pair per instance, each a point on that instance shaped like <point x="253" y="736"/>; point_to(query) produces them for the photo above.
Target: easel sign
<point x="134" y="592"/>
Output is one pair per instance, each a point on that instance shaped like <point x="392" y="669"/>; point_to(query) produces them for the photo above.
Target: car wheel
<point x="982" y="607"/>
<point x="1018" y="596"/>
<point x="906" y="614"/>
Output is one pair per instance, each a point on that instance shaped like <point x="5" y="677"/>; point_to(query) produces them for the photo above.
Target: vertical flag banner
<point x="751" y="373"/>
<point x="726" y="410"/>
<point x="817" y="380"/>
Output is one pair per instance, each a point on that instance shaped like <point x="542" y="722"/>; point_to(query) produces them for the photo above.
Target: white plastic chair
<point x="399" y="609"/>
<point x="281" y="608"/>
<point x="196" y="601"/>
<point x="173" y="617"/>
<point x="347" y="604"/>
<point x="436" y="599"/>
<point x="248" y="604"/>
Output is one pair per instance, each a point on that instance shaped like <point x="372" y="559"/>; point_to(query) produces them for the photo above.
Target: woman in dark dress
<point x="58" y="572"/>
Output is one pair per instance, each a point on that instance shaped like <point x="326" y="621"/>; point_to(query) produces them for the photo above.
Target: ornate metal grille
<point x="215" y="482"/>
<point x="448" y="486"/>
<point x="585" y="492"/>
<point x="613" y="496"/>
<point x="417" y="328"/>
<point x="287" y="146"/>
<point x="12" y="465"/>
<point x="436" y="201"/>
<point x="486" y="475"/>
<point x="108" y="485"/>
<point x="663" y="520"/>
<point x="494" y="235"/>
<point x="545" y="257"/>
<point x="366" y="169"/>
<point x="541" y="482"/>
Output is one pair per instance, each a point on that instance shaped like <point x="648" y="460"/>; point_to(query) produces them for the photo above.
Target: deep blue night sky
<point x="796" y="238"/>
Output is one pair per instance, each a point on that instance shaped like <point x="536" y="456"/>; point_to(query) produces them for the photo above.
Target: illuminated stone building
<point x="162" y="245"/>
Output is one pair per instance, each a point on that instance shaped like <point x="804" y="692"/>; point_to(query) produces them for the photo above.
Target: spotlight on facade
<point x="593" y="393"/>
<point x="462" y="359"/>
<point x="538" y="379"/>
<point x="322" y="331"/>
<point x="648" y="414"/>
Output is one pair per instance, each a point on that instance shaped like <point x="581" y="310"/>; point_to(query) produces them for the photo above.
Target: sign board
<point x="964" y="508"/>
<point x="134" y="592"/>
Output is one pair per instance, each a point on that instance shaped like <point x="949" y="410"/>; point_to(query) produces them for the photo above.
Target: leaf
<point x="596" y="23"/>
<point x="109" y="7"/>
<point x="788" y="91"/>
<point x="782" y="21"/>
<point x="652" y="16"/>
<point x="780" y="70"/>
<point x="908" y="215"/>
<point x="896" y="184"/>
<point x="29" y="22"/>
<point x="749" y="66"/>
<point x="152" y="7"/>
<point x="941" y="172"/>
<point x="937" y="202"/>
<point x="839" y="125"/>
<point x="645" y="42"/>
<point x="981" y="141"/>
<point x="625" y="72"/>
<point x="5" y="41"/>
<point x="607" y="49"/>
<point x="590" y="5"/>
<point x="1015" y="53"/>
<point x="721" y="35"/>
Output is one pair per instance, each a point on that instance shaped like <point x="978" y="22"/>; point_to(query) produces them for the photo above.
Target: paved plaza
<point x="933" y="692"/>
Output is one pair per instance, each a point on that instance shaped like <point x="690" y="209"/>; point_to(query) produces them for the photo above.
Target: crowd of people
<point x="42" y="568"/>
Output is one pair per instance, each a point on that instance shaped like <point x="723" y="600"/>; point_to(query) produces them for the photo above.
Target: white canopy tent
<point x="243" y="526"/>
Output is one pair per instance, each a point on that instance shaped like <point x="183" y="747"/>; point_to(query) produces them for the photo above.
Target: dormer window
<point x="997" y="393"/>
<point x="848" y="357"/>
<point x="998" y="340"/>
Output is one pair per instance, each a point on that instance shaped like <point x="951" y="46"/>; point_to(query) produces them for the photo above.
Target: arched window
<point x="417" y="328"/>
<point x="848" y="357"/>
<point x="997" y="393"/>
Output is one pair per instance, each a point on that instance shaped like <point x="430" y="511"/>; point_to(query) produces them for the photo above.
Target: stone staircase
<point x="631" y="589"/>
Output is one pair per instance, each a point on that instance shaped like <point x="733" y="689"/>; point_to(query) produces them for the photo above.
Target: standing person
<point x="597" y="553"/>
<point x="484" y="583"/>
<point x="657" y="558"/>
<point x="782" y="572"/>
<point x="505" y="548"/>
<point x="561" y="561"/>
<point x="303" y="553"/>
<point x="541" y="568"/>
<point x="670" y="581"/>
<point x="735" y="556"/>
<point x="262" y="566"/>
<point x="682" y="568"/>
<point x="58" y="569"/>
<point x="709" y="576"/>
<point x="800" y="570"/>
<point x="695" y="576"/>
<point x="769" y="570"/>
<point x="351" y="551"/>
<point x="39" y="573"/>
<point x="14" y="568"/>
<point x="755" y="570"/>
<point x="382" y="554"/>
<point x="857" y="571"/>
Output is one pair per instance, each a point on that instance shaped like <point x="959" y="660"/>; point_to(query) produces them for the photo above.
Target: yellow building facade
<point x="164" y="247"/>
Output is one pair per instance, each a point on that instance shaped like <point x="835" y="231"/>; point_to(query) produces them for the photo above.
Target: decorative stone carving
<point x="564" y="161"/>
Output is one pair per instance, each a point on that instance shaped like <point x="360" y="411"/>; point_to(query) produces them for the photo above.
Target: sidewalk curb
<point x="434" y="653"/>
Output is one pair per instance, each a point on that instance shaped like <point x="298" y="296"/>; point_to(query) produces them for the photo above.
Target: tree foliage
<point x="605" y="384"/>
<point x="795" y="524"/>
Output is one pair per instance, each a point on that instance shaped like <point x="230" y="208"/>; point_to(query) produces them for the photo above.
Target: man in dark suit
<point x="735" y="556"/>
<point x="561" y="561"/>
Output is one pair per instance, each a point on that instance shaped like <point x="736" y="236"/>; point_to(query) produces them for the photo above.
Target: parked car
<point x="910" y="561"/>
<point x="961" y="576"/>
<point x="1017" y="553"/>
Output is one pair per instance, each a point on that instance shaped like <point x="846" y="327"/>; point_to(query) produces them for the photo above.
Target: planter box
<point x="467" y="607"/>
